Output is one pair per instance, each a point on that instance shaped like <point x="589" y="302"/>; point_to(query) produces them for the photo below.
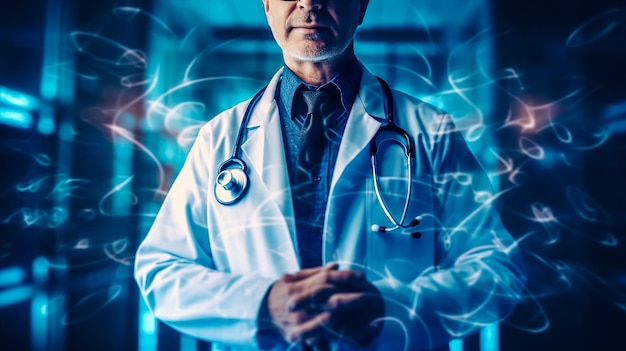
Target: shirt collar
<point x="347" y="81"/>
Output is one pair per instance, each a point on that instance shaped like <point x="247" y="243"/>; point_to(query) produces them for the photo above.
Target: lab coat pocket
<point x="404" y="253"/>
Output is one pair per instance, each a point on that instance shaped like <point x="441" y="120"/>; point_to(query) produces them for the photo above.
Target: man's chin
<point x="314" y="56"/>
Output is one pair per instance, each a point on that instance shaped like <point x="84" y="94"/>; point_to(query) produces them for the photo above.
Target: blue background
<point x="99" y="102"/>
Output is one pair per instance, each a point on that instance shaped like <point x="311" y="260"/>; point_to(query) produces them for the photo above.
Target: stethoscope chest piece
<point x="231" y="182"/>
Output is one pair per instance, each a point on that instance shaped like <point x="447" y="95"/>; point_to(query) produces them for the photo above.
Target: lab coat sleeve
<point x="175" y="270"/>
<point x="479" y="275"/>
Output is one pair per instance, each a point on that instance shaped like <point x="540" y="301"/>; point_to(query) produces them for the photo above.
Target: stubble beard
<point x="315" y="53"/>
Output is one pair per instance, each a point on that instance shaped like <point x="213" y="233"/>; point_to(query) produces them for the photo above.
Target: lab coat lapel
<point x="343" y="240"/>
<point x="263" y="150"/>
<point x="366" y="116"/>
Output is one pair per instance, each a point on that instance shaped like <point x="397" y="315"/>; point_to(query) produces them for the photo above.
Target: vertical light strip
<point x="490" y="338"/>
<point x="39" y="321"/>
<point x="188" y="343"/>
<point x="57" y="81"/>
<point x="39" y="305"/>
<point x="122" y="165"/>
<point x="49" y="87"/>
<point x="456" y="345"/>
<point x="148" y="328"/>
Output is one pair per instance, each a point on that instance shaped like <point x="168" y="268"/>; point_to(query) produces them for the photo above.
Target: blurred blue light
<point x="46" y="124"/>
<point x="39" y="322"/>
<point x="188" y="343"/>
<point x="456" y="345"/>
<point x="16" y="99"/>
<point x="147" y="339"/>
<point x="15" y="295"/>
<point x="40" y="270"/>
<point x="490" y="338"/>
<point x="12" y="276"/>
<point x="16" y="118"/>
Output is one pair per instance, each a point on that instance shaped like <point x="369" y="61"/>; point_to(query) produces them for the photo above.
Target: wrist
<point x="267" y="334"/>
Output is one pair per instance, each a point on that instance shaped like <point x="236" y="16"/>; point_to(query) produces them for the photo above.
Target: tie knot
<point x="322" y="101"/>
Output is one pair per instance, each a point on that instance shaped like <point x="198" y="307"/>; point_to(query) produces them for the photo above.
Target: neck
<point x="319" y="73"/>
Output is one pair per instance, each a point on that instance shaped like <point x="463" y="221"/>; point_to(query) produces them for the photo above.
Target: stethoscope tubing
<point x="232" y="180"/>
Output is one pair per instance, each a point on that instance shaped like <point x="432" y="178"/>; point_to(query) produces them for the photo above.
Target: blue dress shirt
<point x="310" y="230"/>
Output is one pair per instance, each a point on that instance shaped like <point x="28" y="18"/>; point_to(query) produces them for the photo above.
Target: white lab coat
<point x="204" y="267"/>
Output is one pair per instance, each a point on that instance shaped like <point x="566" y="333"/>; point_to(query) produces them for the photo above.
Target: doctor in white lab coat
<point x="208" y="269"/>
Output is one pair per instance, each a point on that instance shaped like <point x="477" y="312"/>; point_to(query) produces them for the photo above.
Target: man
<point x="290" y="261"/>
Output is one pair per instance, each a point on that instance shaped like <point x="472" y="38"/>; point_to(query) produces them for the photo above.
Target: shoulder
<point x="225" y="120"/>
<point x="417" y="113"/>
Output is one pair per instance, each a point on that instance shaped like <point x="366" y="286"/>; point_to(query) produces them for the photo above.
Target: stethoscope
<point x="232" y="180"/>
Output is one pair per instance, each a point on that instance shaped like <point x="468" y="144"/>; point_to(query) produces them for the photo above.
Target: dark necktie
<point x="311" y="181"/>
<point x="315" y="133"/>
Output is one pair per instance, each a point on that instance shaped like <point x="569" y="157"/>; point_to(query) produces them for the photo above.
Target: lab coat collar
<point x="260" y="113"/>
<point x="366" y="117"/>
<point x="370" y="97"/>
<point x="264" y="150"/>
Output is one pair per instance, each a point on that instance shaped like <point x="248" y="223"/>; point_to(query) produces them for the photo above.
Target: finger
<point x="316" y="327"/>
<point x="344" y="277"/>
<point x="313" y="297"/>
<point x="308" y="272"/>
<point x="316" y="288"/>
<point x="345" y="302"/>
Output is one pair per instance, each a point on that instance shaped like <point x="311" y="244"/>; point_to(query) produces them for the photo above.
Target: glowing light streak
<point x="91" y="305"/>
<point x="137" y="100"/>
<point x="562" y="132"/>
<point x="602" y="136"/>
<point x="16" y="118"/>
<point x="543" y="214"/>
<point x="116" y="189"/>
<point x="15" y="295"/>
<point x="134" y="80"/>
<point x="609" y="240"/>
<point x="565" y="159"/>
<point x="188" y="36"/>
<point x="129" y="13"/>
<point x="52" y="218"/>
<point x="67" y="68"/>
<point x="82" y="244"/>
<point x="42" y="159"/>
<point x="125" y="55"/>
<point x="531" y="149"/>
<point x="126" y="134"/>
<point x="66" y="189"/>
<point x="428" y="33"/>
<point x="12" y="276"/>
<point x="526" y="120"/>
<point x="586" y="207"/>
<point x="464" y="179"/>
<point x="17" y="99"/>
<point x="598" y="28"/>
<point x="117" y="251"/>
<point x="32" y="186"/>
<point x="177" y="114"/>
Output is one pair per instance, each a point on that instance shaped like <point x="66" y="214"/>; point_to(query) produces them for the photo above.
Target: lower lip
<point x="309" y="30"/>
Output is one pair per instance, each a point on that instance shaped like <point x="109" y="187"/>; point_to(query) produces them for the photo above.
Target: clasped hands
<point x="317" y="305"/>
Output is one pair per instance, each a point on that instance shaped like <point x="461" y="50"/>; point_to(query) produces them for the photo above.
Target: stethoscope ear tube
<point x="232" y="180"/>
<point x="409" y="150"/>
